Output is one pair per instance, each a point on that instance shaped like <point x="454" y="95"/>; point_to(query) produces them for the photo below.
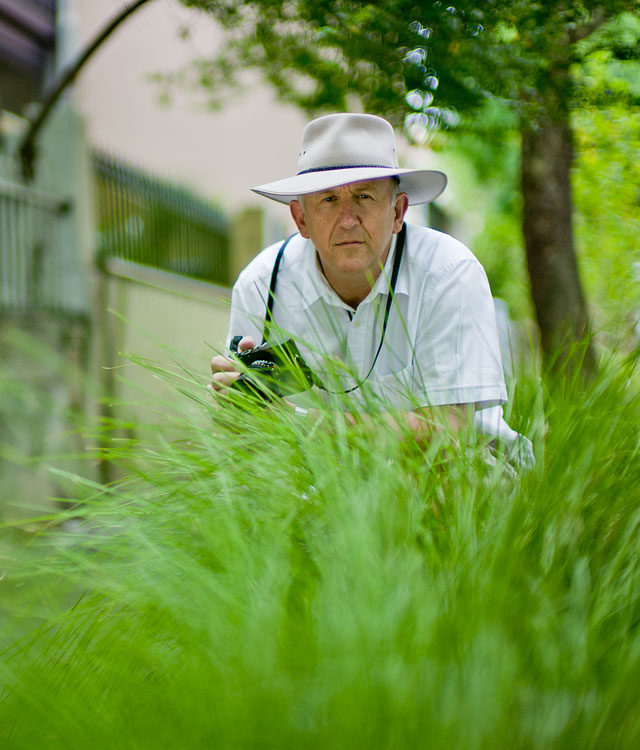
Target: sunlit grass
<point x="256" y="582"/>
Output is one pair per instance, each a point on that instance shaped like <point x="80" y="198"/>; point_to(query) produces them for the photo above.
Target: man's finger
<point x="222" y="380"/>
<point x="223" y="364"/>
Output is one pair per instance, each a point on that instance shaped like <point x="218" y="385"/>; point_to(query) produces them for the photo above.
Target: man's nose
<point x="348" y="214"/>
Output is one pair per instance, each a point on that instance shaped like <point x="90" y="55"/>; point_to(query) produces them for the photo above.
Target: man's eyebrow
<point x="368" y="187"/>
<point x="322" y="193"/>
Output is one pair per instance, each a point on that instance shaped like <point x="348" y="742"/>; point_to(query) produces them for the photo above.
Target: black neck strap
<point x="397" y="260"/>
<point x="268" y="316"/>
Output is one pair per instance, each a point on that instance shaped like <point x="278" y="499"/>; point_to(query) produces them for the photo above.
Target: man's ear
<point x="401" y="206"/>
<point x="297" y="214"/>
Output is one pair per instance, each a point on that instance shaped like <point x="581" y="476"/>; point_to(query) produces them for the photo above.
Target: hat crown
<point x="347" y="140"/>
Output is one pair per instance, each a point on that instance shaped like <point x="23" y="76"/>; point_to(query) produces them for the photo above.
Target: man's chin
<point x="355" y="266"/>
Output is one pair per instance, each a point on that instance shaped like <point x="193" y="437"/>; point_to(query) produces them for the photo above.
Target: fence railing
<point x="151" y="222"/>
<point x="32" y="275"/>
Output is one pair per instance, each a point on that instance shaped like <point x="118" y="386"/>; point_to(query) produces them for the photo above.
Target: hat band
<point x="346" y="166"/>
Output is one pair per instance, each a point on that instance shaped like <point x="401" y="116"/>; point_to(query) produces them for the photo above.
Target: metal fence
<point x="151" y="222"/>
<point x="32" y="276"/>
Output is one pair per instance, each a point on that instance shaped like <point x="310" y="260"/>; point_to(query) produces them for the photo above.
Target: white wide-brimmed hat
<point x="340" y="149"/>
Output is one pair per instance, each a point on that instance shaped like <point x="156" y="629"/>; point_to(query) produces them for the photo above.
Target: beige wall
<point x="168" y="321"/>
<point x="221" y="154"/>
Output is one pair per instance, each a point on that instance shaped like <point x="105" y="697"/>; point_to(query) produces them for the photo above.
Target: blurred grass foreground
<point x="253" y="582"/>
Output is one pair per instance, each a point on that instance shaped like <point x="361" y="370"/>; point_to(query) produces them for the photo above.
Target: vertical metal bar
<point x="122" y="249"/>
<point x="13" y="243"/>
<point x="111" y="216"/>
<point x="35" y="220"/>
<point x="181" y="219"/>
<point x="45" y="258"/>
<point x="15" y="254"/>
<point x="121" y="243"/>
<point x="115" y="239"/>
<point x="22" y="253"/>
<point x="4" y="252"/>
<point x="104" y="188"/>
<point x="143" y="204"/>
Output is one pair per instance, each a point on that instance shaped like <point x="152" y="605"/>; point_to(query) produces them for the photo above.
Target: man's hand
<point x="423" y="423"/>
<point x="225" y="370"/>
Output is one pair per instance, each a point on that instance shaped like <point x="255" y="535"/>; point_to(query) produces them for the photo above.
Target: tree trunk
<point x="547" y="153"/>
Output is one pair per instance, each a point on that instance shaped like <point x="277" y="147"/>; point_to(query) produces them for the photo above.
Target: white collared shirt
<point x="440" y="345"/>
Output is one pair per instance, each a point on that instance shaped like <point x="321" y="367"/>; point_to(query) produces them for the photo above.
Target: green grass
<point x="252" y="582"/>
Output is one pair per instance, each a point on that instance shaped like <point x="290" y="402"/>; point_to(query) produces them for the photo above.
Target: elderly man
<point x="407" y="310"/>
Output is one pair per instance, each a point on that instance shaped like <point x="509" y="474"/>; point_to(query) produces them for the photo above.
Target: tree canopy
<point x="427" y="61"/>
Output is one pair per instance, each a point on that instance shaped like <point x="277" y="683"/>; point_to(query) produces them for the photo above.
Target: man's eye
<point x="364" y="195"/>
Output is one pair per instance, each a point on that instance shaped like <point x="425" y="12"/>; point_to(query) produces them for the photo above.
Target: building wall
<point x="152" y="319"/>
<point x="219" y="153"/>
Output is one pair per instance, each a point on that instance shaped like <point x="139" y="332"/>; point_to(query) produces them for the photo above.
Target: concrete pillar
<point x="247" y="238"/>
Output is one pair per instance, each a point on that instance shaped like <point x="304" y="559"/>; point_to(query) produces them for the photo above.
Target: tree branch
<point x="586" y="29"/>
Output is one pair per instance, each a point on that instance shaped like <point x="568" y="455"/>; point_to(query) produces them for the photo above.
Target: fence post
<point x="247" y="238"/>
<point x="64" y="169"/>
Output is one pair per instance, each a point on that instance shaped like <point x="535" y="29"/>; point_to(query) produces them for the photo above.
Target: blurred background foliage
<point x="605" y="179"/>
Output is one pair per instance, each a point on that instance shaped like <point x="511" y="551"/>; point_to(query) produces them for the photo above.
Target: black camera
<point x="272" y="370"/>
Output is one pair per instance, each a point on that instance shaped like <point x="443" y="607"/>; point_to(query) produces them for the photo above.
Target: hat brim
<point x="421" y="185"/>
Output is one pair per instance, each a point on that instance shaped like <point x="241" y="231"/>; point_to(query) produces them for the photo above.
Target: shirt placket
<point x="358" y="341"/>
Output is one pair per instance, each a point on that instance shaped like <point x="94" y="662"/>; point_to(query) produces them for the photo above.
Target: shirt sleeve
<point x="457" y="354"/>
<point x="248" y="305"/>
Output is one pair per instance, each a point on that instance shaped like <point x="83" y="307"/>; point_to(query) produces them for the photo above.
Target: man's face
<point x="351" y="226"/>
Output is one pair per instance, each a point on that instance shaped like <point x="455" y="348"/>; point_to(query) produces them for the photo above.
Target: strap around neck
<point x="268" y="316"/>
